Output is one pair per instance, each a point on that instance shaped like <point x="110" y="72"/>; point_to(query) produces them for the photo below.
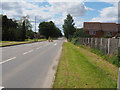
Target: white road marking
<point x="38" y="47"/>
<point x="55" y="44"/>
<point x="36" y="43"/>
<point x="27" y="52"/>
<point x="7" y="60"/>
<point x="1" y="87"/>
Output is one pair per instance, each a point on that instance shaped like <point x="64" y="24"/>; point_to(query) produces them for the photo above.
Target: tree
<point x="4" y="28"/>
<point x="57" y="33"/>
<point x="28" y="27"/>
<point x="48" y="29"/>
<point x="23" y="31"/>
<point x="8" y="28"/>
<point x="29" y="34"/>
<point x="80" y="33"/>
<point x="14" y="30"/>
<point x="68" y="27"/>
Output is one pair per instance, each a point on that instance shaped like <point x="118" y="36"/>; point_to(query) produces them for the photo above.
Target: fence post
<point x="91" y="41"/>
<point x="95" y="42"/>
<point x="101" y="44"/>
<point x="118" y="79"/>
<point x="108" y="46"/>
<point x="118" y="86"/>
<point x="88" y="41"/>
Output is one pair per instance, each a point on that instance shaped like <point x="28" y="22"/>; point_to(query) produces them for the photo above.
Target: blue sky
<point x="56" y="11"/>
<point x="97" y="6"/>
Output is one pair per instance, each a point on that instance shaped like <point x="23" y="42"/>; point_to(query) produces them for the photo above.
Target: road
<point x="27" y="65"/>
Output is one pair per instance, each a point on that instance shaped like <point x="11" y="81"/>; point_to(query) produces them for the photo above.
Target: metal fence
<point x="106" y="45"/>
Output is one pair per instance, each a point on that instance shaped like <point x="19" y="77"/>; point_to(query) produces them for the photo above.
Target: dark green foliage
<point x="29" y="34"/>
<point x="80" y="33"/>
<point x="68" y="27"/>
<point x="8" y="28"/>
<point x="13" y="31"/>
<point x="48" y="29"/>
<point x="23" y="31"/>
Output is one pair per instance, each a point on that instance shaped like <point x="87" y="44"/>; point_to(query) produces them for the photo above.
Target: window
<point x="109" y="33"/>
<point x="92" y="32"/>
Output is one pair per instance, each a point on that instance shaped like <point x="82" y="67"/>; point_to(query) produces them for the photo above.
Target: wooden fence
<point x="106" y="45"/>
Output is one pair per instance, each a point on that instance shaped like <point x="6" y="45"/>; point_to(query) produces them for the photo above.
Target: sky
<point x="57" y="10"/>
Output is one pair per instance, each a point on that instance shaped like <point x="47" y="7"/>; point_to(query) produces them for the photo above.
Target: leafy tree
<point x="8" y="28"/>
<point x="80" y="33"/>
<point x="0" y="27"/>
<point x="29" y="34"/>
<point x="23" y="31"/>
<point x="58" y="33"/>
<point x="68" y="27"/>
<point x="17" y="29"/>
<point x="28" y="26"/>
<point x="4" y="27"/>
<point x="48" y="29"/>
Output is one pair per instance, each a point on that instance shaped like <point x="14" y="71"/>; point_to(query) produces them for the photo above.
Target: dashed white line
<point x="27" y="52"/>
<point x="36" y="43"/>
<point x="38" y="48"/>
<point x="55" y="44"/>
<point x="1" y="87"/>
<point x="7" y="60"/>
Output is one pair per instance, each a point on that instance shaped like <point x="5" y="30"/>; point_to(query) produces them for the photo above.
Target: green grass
<point x="10" y="43"/>
<point x="79" y="68"/>
<point x="110" y="58"/>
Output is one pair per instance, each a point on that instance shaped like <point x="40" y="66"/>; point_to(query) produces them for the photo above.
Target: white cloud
<point x="77" y="9"/>
<point x="12" y="9"/>
<point x="22" y="0"/>
<point x="109" y="14"/>
<point x="22" y="8"/>
<point x="74" y="8"/>
<point x="62" y="0"/>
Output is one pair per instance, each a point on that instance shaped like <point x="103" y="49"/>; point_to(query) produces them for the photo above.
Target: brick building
<point x="97" y="29"/>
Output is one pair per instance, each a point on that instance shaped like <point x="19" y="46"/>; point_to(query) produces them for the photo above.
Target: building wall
<point x="102" y="34"/>
<point x="98" y="34"/>
<point x="102" y="29"/>
<point x="113" y="34"/>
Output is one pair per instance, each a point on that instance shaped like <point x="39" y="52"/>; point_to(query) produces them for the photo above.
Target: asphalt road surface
<point x="27" y="65"/>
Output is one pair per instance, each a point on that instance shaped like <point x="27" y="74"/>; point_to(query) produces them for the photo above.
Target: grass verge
<point x="79" y="68"/>
<point x="11" y="43"/>
<point x="112" y="58"/>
